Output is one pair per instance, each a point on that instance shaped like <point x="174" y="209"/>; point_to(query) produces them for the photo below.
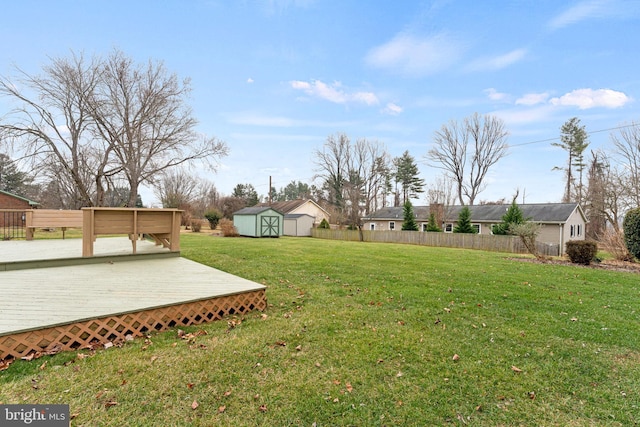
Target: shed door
<point x="270" y="226"/>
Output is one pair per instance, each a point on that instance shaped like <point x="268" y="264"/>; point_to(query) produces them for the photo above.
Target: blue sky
<point x="274" y="78"/>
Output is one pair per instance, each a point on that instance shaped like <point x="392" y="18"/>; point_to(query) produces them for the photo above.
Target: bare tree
<point x="354" y="176"/>
<point x="51" y="126"/>
<point x="626" y="145"/>
<point x="89" y="123"/>
<point x="466" y="151"/>
<point x="140" y="110"/>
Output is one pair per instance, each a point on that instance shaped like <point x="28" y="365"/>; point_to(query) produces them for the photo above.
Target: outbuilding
<point x="298" y="224"/>
<point x="259" y="221"/>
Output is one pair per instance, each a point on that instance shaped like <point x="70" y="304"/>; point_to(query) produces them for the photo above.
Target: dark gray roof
<point x="392" y="213"/>
<point x="254" y="210"/>
<point x="539" y="212"/>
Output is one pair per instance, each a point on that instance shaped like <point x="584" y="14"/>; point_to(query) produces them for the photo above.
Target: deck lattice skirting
<point x="114" y="328"/>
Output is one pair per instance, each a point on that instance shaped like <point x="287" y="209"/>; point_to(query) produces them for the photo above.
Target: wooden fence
<point x="510" y="244"/>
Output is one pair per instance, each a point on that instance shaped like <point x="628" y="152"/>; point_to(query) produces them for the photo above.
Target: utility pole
<point x="269" y="189"/>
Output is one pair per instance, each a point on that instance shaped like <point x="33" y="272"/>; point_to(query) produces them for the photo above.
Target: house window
<point x="572" y="232"/>
<point x="448" y="228"/>
<point x="372" y="226"/>
<point x="392" y="225"/>
<point x="477" y="227"/>
<point x="579" y="230"/>
<point x="424" y="227"/>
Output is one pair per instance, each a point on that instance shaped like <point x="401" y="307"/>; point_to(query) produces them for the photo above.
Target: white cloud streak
<point x="533" y="99"/>
<point x="498" y="62"/>
<point x="392" y="109"/>
<point x="415" y="56"/>
<point x="592" y="98"/>
<point x="580" y="12"/>
<point x="334" y="92"/>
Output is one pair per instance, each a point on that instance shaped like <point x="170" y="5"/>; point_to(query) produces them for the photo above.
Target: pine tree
<point x="409" y="223"/>
<point x="513" y="216"/>
<point x="573" y="139"/>
<point x="431" y="225"/>
<point x="464" y="222"/>
<point x="407" y="175"/>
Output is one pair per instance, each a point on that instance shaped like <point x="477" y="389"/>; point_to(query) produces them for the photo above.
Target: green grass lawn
<point x="364" y="334"/>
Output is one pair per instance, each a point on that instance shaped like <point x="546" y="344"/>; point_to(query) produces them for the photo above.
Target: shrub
<point x="228" y="229"/>
<point x="581" y="251"/>
<point x="528" y="232"/>
<point x="196" y="225"/>
<point x="213" y="216"/>
<point x="512" y="216"/>
<point x="613" y="242"/>
<point x="631" y="227"/>
<point x="324" y="224"/>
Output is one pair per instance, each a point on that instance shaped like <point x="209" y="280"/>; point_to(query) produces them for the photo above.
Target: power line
<point x="588" y="133"/>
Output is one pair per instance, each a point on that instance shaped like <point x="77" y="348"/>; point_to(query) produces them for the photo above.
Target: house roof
<point x="255" y="210"/>
<point x="539" y="212"/>
<point x="31" y="202"/>
<point x="296" y="216"/>
<point x="291" y="205"/>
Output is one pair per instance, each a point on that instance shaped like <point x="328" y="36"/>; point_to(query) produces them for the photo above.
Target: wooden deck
<point x="68" y="306"/>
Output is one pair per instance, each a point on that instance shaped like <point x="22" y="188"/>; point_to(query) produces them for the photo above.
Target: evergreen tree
<point x="573" y="139"/>
<point x="12" y="180"/>
<point x="407" y="175"/>
<point x="409" y="222"/>
<point x="431" y="225"/>
<point x="464" y="222"/>
<point x="513" y="216"/>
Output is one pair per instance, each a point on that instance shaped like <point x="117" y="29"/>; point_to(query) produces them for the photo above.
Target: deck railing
<point x="12" y="223"/>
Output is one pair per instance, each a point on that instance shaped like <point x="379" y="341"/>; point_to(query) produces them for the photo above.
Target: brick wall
<point x="9" y="202"/>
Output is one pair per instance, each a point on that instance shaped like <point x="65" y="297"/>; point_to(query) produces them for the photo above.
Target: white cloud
<point x="533" y="99"/>
<point x="416" y="56"/>
<point x="494" y="95"/>
<point x="334" y="92"/>
<point x="498" y="62"/>
<point x="579" y="12"/>
<point x="592" y="98"/>
<point x="392" y="109"/>
<point x="249" y="80"/>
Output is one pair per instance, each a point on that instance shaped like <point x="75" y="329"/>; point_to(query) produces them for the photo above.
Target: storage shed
<point x="298" y="224"/>
<point x="259" y="221"/>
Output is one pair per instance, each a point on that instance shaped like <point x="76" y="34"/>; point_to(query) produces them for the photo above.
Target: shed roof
<point x="255" y="210"/>
<point x="291" y="205"/>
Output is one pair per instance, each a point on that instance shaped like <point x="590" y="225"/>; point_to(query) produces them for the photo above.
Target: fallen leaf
<point x="190" y="385"/>
<point x="281" y="343"/>
<point x="4" y="364"/>
<point x="516" y="369"/>
<point x="336" y="382"/>
<point x="399" y="374"/>
<point x="227" y="393"/>
<point x="349" y="387"/>
<point x="263" y="408"/>
<point x="43" y="366"/>
<point x="221" y="409"/>
<point x="194" y="405"/>
<point x="108" y="345"/>
<point x="109" y="403"/>
<point x="455" y="357"/>
<point x="299" y="348"/>
<point x="532" y="395"/>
